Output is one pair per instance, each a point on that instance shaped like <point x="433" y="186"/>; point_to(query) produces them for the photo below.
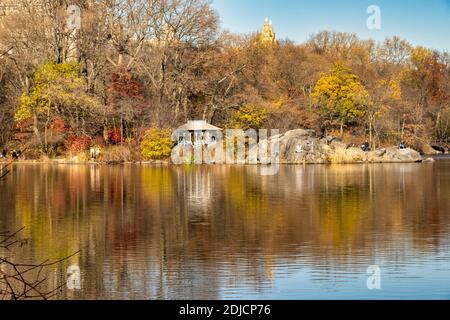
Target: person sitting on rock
<point x="4" y="154"/>
<point x="365" y="147"/>
<point x="15" y="155"/>
<point x="402" y="146"/>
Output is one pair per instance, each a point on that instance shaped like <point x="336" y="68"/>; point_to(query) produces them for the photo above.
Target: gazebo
<point x="197" y="133"/>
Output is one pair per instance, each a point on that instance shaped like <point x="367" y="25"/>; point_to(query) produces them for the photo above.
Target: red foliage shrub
<point x="125" y="92"/>
<point x="24" y="125"/>
<point x="58" y="125"/>
<point x="124" y="86"/>
<point x="24" y="130"/>
<point x="115" y="136"/>
<point x="78" y="144"/>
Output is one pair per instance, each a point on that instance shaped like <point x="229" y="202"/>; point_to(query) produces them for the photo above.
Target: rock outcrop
<point x="304" y="146"/>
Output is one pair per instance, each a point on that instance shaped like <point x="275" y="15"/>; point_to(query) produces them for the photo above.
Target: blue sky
<point x="424" y="22"/>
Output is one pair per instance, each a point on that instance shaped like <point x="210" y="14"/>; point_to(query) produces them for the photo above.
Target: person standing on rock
<point x="365" y="147"/>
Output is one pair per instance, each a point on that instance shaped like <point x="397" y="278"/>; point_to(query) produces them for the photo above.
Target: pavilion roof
<point x="198" y="125"/>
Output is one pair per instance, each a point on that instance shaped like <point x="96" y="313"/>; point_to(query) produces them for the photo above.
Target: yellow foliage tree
<point x="57" y="90"/>
<point x="249" y="117"/>
<point x="156" y="144"/>
<point x="340" y="96"/>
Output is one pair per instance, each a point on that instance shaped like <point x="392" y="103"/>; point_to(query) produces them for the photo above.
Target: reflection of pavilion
<point x="197" y="186"/>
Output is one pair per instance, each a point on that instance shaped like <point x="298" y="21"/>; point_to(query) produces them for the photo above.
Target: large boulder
<point x="300" y="133"/>
<point x="379" y="153"/>
<point x="402" y="155"/>
<point x="304" y="146"/>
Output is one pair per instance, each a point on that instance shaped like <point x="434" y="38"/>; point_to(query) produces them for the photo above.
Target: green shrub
<point x="156" y="144"/>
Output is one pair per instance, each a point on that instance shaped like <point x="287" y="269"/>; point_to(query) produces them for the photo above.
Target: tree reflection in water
<point x="213" y="231"/>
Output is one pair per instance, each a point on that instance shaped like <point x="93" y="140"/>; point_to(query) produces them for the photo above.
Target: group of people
<point x="94" y="152"/>
<point x="15" y="155"/>
<point x="366" y="146"/>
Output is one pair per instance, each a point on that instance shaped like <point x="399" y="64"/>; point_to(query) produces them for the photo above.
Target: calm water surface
<point x="220" y="232"/>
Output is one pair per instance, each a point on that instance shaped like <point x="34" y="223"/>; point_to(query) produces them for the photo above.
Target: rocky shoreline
<point x="305" y="147"/>
<point x="299" y="146"/>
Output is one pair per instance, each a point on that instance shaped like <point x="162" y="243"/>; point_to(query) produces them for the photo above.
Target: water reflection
<point x="207" y="232"/>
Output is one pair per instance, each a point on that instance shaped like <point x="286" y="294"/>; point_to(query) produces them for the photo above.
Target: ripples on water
<point x="210" y="232"/>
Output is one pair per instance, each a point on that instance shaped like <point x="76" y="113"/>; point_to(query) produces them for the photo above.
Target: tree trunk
<point x="121" y="129"/>
<point x="403" y="130"/>
<point x="36" y="130"/>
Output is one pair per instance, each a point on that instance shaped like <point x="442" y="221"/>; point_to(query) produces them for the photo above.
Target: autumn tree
<point x="174" y="58"/>
<point x="125" y="100"/>
<point x="248" y="117"/>
<point x="425" y="87"/>
<point x="57" y="91"/>
<point x="340" y="96"/>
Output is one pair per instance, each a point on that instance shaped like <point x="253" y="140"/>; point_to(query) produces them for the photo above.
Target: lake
<point x="226" y="232"/>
